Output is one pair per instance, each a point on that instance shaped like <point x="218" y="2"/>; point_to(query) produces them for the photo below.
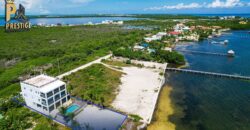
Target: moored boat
<point x="231" y="53"/>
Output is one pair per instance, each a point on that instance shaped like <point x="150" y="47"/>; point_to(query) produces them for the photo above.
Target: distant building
<point x="181" y="27"/>
<point x="174" y="33"/>
<point x="138" y="48"/>
<point x="161" y="34"/>
<point x="44" y="93"/>
<point x="243" y="22"/>
<point x="112" y="22"/>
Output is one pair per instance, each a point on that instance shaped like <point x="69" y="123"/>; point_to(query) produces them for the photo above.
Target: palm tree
<point x="63" y="110"/>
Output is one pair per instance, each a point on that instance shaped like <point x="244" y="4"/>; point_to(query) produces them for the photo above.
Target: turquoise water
<point x="72" y="109"/>
<point x="210" y="103"/>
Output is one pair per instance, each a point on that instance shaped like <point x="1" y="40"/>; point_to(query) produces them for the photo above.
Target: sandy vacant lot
<point x="139" y="91"/>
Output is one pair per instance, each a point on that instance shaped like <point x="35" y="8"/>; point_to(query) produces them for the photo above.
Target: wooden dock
<point x="209" y="73"/>
<point x="202" y="53"/>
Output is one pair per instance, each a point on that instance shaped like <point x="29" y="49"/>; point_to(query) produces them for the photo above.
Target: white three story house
<point x="44" y="93"/>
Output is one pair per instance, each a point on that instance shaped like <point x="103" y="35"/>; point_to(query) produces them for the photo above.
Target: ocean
<point x="213" y="103"/>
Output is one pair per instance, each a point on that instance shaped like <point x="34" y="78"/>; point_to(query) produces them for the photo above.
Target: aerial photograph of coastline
<point x="124" y="65"/>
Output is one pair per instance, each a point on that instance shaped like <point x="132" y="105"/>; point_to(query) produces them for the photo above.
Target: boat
<point x="226" y="42"/>
<point x="231" y="53"/>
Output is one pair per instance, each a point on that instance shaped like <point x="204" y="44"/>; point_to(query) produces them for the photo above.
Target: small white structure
<point x="44" y="93"/>
<point x="153" y="38"/>
<point x="112" y="22"/>
<point x="137" y="48"/>
<point x="161" y="34"/>
<point x="168" y="49"/>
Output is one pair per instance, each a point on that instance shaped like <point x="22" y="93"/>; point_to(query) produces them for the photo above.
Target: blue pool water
<point x="72" y="109"/>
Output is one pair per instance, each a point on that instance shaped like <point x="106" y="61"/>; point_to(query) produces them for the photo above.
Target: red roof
<point x="174" y="33"/>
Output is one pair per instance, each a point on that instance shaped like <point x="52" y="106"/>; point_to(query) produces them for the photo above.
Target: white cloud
<point x="47" y="6"/>
<point x="225" y="4"/>
<point x="214" y="4"/>
<point x="178" y="6"/>
<point x="82" y="1"/>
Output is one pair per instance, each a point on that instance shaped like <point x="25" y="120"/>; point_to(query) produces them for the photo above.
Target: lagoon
<point x="209" y="103"/>
<point x="73" y="21"/>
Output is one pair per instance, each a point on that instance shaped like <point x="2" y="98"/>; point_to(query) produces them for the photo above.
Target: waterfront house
<point x="44" y="93"/>
<point x="153" y="38"/>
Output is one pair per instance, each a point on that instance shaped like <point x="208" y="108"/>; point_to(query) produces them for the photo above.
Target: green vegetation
<point x="232" y="24"/>
<point x="52" y="51"/>
<point x="135" y="118"/>
<point x="56" y="50"/>
<point x="160" y="56"/>
<point x="96" y="83"/>
<point x="16" y="117"/>
<point x="117" y="63"/>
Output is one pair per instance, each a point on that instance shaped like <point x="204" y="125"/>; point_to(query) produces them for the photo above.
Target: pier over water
<point x="209" y="73"/>
<point x="202" y="53"/>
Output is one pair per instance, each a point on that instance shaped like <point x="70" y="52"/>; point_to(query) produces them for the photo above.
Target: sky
<point x="42" y="7"/>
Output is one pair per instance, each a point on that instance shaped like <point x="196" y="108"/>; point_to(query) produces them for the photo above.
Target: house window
<point x="45" y="108"/>
<point x="49" y="94"/>
<point x="44" y="102"/>
<point x="64" y="100"/>
<point x="57" y="97"/>
<point x="62" y="87"/>
<point x="42" y="95"/>
<point x="51" y="108"/>
<point x="50" y="101"/>
<point x="38" y="105"/>
<point x="63" y="93"/>
<point x="58" y="104"/>
<point x="56" y="90"/>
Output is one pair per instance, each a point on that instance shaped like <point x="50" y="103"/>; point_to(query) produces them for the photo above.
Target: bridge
<point x="209" y="73"/>
<point x="202" y="53"/>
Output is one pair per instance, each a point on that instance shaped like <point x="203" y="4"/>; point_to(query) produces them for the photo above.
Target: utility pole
<point x="58" y="65"/>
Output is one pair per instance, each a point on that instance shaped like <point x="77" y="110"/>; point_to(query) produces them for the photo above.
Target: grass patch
<point x="95" y="83"/>
<point x="116" y="63"/>
<point x="135" y="118"/>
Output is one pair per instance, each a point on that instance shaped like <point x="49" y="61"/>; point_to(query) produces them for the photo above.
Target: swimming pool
<point x="72" y="109"/>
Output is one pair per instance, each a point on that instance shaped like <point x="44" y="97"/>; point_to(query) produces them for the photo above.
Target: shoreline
<point x="164" y="108"/>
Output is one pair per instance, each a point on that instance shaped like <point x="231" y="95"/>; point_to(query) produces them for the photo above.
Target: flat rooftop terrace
<point x="40" y="81"/>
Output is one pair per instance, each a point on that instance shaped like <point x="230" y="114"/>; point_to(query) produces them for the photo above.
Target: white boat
<point x="226" y="41"/>
<point x="231" y="53"/>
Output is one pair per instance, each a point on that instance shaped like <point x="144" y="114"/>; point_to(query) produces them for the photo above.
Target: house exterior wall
<point x="44" y="102"/>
